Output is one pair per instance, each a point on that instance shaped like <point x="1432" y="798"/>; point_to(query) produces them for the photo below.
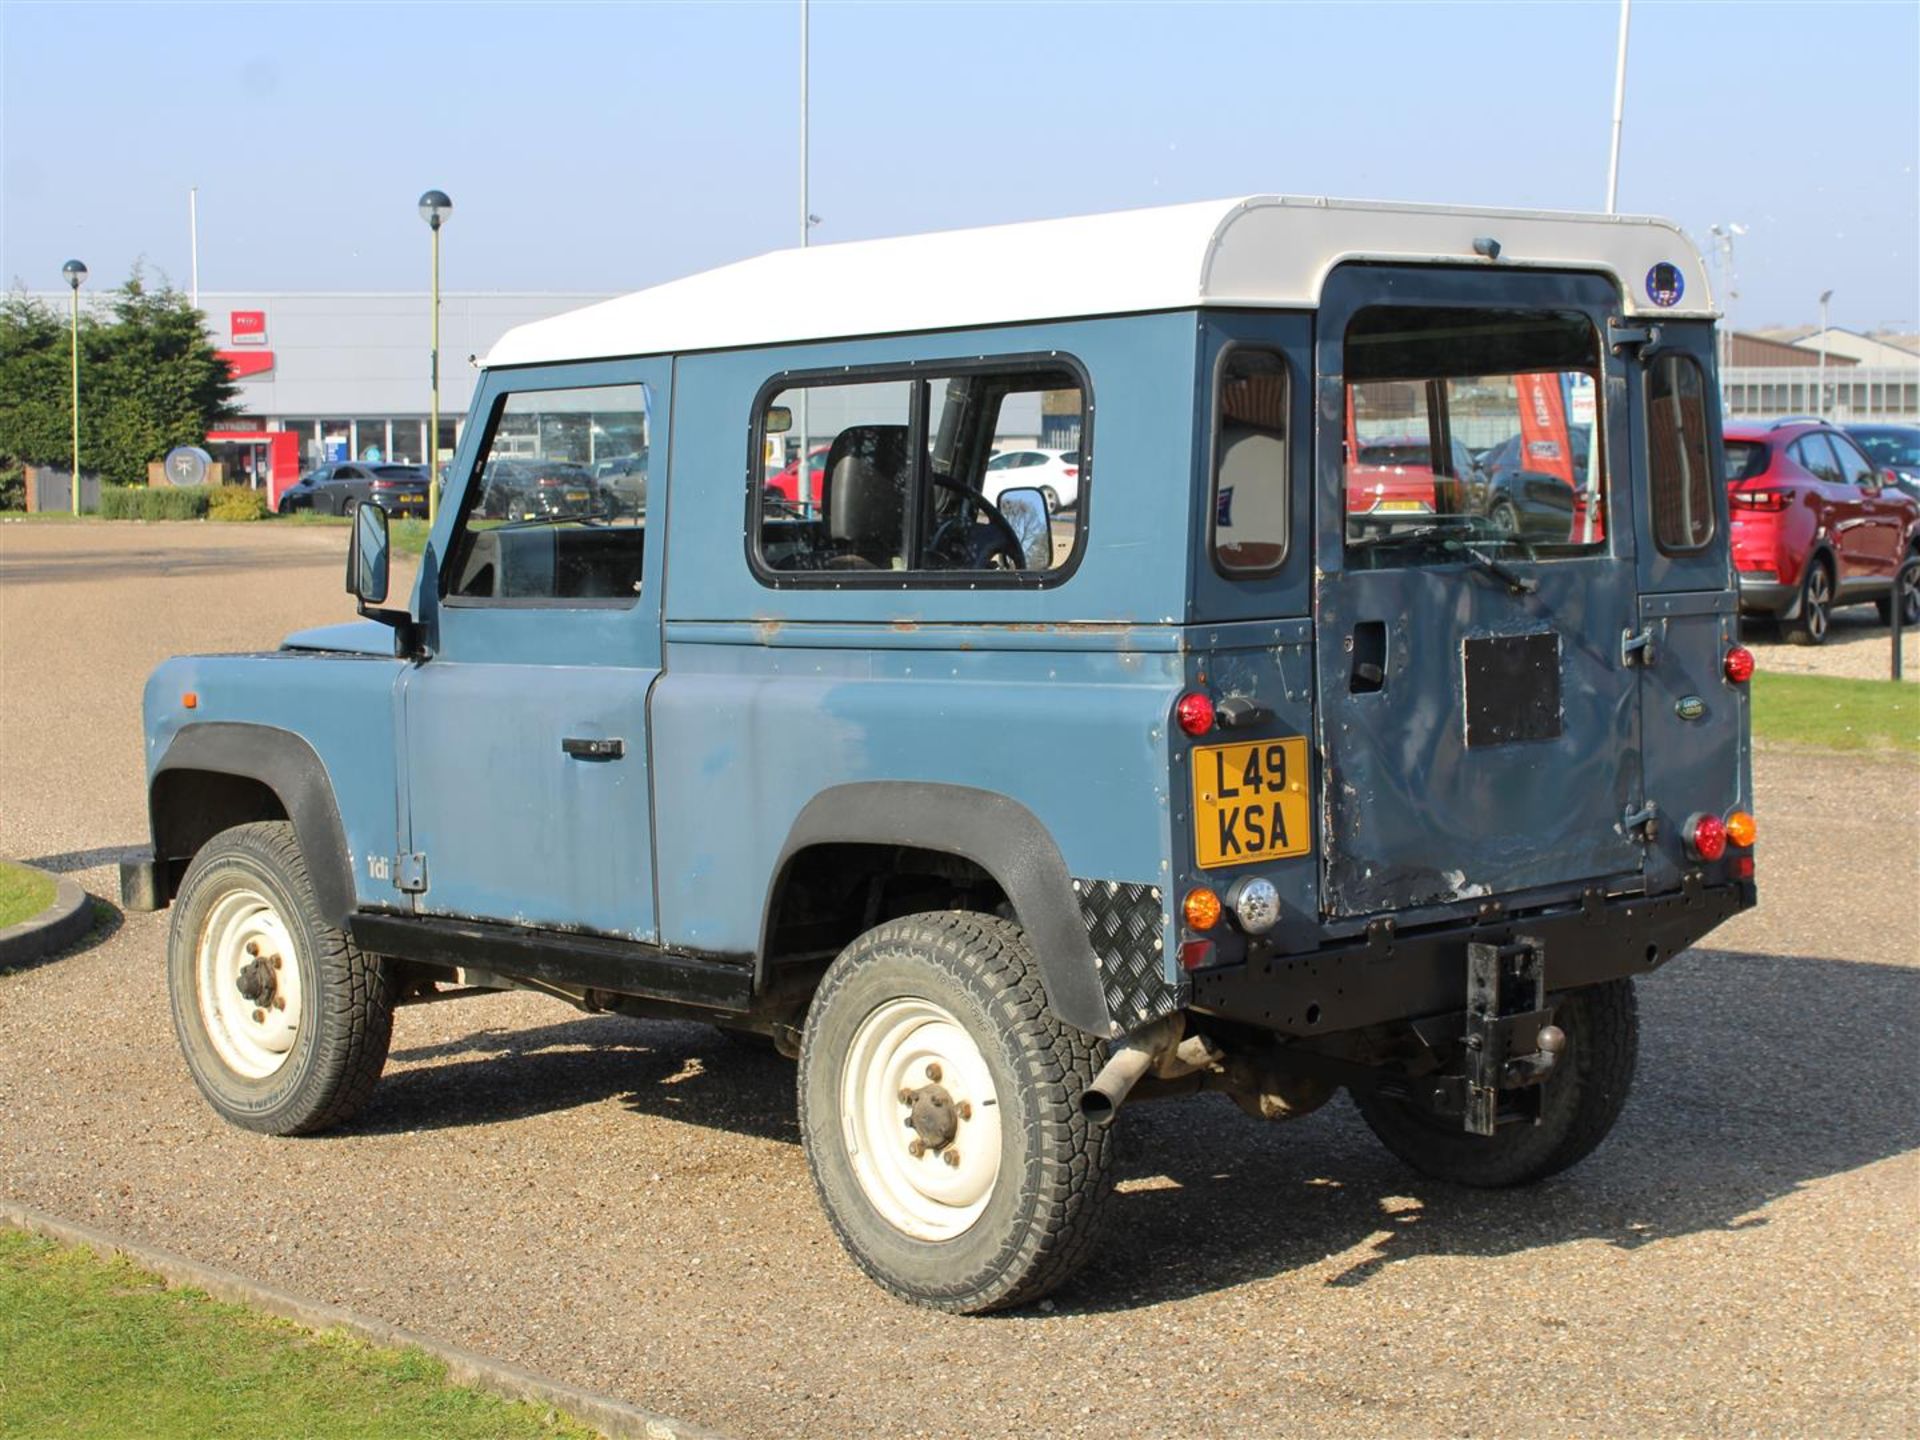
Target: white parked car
<point x="1054" y="473"/>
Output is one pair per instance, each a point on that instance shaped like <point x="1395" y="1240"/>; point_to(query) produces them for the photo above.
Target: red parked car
<point x="1815" y="525"/>
<point x="786" y="483"/>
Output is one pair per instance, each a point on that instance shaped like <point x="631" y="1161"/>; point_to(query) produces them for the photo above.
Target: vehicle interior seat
<point x="866" y="496"/>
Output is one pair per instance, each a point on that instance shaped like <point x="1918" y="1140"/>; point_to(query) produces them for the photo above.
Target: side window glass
<point x="1677" y="453"/>
<point x="1854" y="468"/>
<point x="1816" y="457"/>
<point x="1250" y="464"/>
<point x="557" y="509"/>
<point x="908" y="480"/>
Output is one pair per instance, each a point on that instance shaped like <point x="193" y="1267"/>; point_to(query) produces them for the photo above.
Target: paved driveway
<point x="623" y="1204"/>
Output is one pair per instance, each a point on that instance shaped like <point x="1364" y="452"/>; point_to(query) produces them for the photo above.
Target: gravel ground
<point x="624" y="1205"/>
<point x="1858" y="647"/>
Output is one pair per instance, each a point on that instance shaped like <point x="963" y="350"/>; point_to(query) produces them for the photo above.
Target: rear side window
<point x="1745" y="459"/>
<point x="1816" y="458"/>
<point x="902" y="479"/>
<point x="1679" y="477"/>
<point x="1250" y="519"/>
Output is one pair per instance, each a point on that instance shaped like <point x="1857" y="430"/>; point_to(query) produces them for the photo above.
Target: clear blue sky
<point x="606" y="147"/>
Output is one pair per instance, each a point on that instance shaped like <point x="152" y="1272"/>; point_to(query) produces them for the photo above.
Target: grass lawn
<point x="409" y="536"/>
<point x="103" y="1349"/>
<point x="1820" y="712"/>
<point x="23" y="894"/>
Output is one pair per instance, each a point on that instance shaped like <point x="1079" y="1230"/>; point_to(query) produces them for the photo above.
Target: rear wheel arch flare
<point x="994" y="833"/>
<point x="218" y="774"/>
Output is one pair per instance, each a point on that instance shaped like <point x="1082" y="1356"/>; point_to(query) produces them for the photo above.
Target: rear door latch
<point x="1636" y="647"/>
<point x="1642" y="823"/>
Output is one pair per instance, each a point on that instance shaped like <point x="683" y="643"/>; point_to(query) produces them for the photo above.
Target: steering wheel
<point x="959" y="537"/>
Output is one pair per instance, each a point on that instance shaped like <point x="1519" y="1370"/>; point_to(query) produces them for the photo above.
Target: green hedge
<point x="237" y="502"/>
<point x="159" y="502"/>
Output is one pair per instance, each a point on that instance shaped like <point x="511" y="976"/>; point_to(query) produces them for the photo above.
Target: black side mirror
<point x="1025" y="510"/>
<point x="369" y="556"/>
<point x="369" y="574"/>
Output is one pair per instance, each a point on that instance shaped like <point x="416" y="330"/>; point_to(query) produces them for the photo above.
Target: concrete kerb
<point x="66" y="920"/>
<point x="613" y="1418"/>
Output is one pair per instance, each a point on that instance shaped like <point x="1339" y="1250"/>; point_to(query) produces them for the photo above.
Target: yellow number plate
<point x="1250" y="802"/>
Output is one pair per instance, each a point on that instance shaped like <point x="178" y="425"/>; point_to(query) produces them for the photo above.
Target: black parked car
<point x="518" y="489"/>
<point x="1532" y="504"/>
<point x="1894" y="448"/>
<point x="336" y="489"/>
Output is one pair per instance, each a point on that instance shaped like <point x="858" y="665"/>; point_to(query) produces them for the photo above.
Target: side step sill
<point x="595" y="962"/>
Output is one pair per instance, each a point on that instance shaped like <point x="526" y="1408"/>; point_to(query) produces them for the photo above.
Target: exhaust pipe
<point x="1155" y="1048"/>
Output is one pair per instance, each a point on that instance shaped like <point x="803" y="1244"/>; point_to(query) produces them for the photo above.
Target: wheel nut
<point x="906" y="1096"/>
<point x="965" y="1109"/>
<point x="952" y="1157"/>
<point x="916" y="1148"/>
<point x="279" y="1002"/>
<point x="933" y="1071"/>
<point x="253" y="948"/>
<point x="276" y="962"/>
<point x="259" y="1017"/>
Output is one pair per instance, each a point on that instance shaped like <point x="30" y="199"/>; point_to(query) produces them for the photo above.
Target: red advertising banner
<point x="1547" y="448"/>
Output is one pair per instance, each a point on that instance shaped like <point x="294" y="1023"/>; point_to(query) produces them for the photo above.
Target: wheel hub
<point x="255" y="981"/>
<point x="932" y="1116"/>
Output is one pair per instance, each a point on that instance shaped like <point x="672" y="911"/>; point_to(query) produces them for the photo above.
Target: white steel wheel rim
<point x="252" y="1038"/>
<point x="922" y="1196"/>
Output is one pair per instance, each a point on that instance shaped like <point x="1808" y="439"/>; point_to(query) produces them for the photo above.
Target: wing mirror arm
<point x="369" y="574"/>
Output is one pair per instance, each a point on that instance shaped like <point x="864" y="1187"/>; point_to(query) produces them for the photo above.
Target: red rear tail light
<point x="1073" y="471"/>
<point x="1194" y="713"/>
<point x="1706" y="837"/>
<point x="1769" y="500"/>
<point x="1739" y="665"/>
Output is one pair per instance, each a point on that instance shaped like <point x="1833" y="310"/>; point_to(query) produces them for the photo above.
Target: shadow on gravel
<point x="671" y="1070"/>
<point x="69" y="861"/>
<point x="1758" y="1075"/>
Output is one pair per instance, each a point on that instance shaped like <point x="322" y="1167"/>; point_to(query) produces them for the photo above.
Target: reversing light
<point x="1201" y="908"/>
<point x="1739" y="665"/>
<point x="1741" y="830"/>
<point x="1194" y="713"/>
<point x="1255" y="903"/>
<point x="1706" y="837"/>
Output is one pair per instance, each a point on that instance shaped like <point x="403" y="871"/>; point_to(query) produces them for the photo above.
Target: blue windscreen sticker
<point x="1665" y="284"/>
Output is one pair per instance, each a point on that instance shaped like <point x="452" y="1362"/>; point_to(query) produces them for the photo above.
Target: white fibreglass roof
<point x="1267" y="250"/>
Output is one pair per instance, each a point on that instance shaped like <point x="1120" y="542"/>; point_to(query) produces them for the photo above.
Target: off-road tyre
<point x="1814" y="618"/>
<point x="1042" y="1214"/>
<point x="1580" y="1104"/>
<point x="1504" y="518"/>
<point x="346" y="995"/>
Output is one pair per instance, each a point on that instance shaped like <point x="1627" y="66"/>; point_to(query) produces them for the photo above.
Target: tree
<point x="149" y="380"/>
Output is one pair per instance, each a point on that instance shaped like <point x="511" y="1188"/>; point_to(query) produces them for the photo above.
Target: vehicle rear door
<point x="1479" y="725"/>
<point x="526" y="741"/>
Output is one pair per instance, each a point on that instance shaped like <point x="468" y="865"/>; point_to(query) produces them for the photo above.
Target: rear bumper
<point x="1763" y="594"/>
<point x="1392" y="976"/>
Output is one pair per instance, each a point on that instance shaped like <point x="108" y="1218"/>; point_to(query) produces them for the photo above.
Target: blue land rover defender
<point x="1369" y="719"/>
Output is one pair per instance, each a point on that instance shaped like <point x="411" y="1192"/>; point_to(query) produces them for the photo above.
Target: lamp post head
<point x="435" y="207"/>
<point x="75" y="273"/>
<point x="1825" y="296"/>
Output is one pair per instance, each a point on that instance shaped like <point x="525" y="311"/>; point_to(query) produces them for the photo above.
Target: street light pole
<point x="1619" y="106"/>
<point x="75" y="273"/>
<point x="1825" y="296"/>
<point x="435" y="207"/>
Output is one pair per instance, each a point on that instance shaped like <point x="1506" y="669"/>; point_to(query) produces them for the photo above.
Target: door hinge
<point x="1636" y="647"/>
<point x="1643" y="823"/>
<point x="1623" y="335"/>
<point x="410" y="873"/>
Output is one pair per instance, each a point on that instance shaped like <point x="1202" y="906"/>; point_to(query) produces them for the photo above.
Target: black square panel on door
<point x="1513" y="688"/>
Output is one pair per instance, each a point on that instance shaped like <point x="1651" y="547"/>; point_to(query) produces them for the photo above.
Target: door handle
<point x="580" y="747"/>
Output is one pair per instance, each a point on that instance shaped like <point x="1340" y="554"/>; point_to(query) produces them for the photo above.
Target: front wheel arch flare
<point x="277" y="761"/>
